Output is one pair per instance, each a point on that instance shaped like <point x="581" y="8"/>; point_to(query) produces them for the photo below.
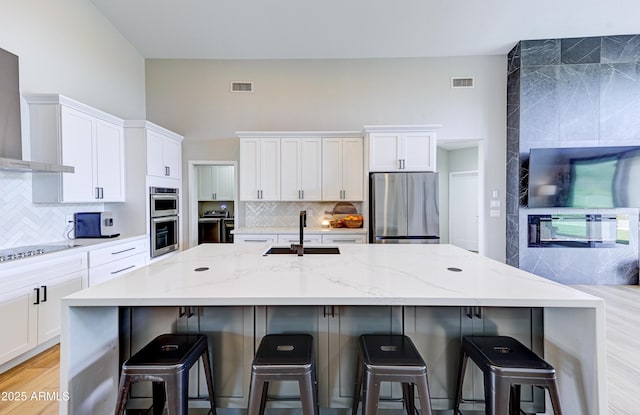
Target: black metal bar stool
<point x="166" y="361"/>
<point x="284" y="357"/>
<point x="506" y="364"/>
<point x="390" y="358"/>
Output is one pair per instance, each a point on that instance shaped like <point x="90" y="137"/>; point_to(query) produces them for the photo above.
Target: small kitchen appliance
<point x="94" y="225"/>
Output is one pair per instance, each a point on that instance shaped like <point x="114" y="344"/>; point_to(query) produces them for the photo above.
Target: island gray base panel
<point x="298" y="411"/>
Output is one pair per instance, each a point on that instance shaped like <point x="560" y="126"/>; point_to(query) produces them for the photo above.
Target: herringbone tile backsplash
<point x="25" y="223"/>
<point x="260" y="214"/>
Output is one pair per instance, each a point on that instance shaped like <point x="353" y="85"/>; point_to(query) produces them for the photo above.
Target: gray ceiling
<point x="293" y="29"/>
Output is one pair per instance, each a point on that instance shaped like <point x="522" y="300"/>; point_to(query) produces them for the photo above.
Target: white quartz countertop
<point x="78" y="245"/>
<point x="311" y="230"/>
<point x="366" y="274"/>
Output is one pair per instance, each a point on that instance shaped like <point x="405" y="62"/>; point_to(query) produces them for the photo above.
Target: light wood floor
<point x="41" y="374"/>
<point x="623" y="345"/>
<point x="31" y="381"/>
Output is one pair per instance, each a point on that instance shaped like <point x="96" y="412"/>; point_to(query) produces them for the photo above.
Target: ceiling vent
<point x="241" y="86"/>
<point x="462" y="82"/>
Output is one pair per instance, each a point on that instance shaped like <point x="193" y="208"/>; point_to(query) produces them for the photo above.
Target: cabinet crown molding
<point x="400" y="128"/>
<point x="297" y="134"/>
<point x="57" y="99"/>
<point x="153" y="127"/>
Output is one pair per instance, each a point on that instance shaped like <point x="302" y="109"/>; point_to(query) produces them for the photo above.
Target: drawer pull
<point x="255" y="240"/>
<point x="123" y="269"/>
<point x="124" y="250"/>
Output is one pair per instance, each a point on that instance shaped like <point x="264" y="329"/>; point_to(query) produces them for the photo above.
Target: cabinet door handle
<point x="181" y="311"/>
<point x="124" y="250"/>
<point x="333" y="311"/>
<point x="336" y="240"/>
<point x="37" y="290"/>
<point x="302" y="191"/>
<point x="97" y="193"/>
<point x="399" y="164"/>
<point x="44" y="293"/>
<point x="478" y="311"/>
<point x="190" y="312"/>
<point x="123" y="269"/>
<point x="102" y="193"/>
<point x="469" y="312"/>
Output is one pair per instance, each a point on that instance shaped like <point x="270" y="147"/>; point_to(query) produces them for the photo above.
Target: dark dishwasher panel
<point x="209" y="230"/>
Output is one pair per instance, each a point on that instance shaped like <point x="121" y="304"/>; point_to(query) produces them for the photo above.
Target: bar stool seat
<point x="166" y="361"/>
<point x="389" y="358"/>
<point x="506" y="364"/>
<point x="282" y="357"/>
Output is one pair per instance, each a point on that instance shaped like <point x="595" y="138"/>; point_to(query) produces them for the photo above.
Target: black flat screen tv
<point x="584" y="177"/>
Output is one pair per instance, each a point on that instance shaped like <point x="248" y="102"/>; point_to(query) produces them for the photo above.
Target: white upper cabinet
<point x="164" y="155"/>
<point x="342" y="168"/>
<point x="301" y="165"/>
<point x="159" y="147"/>
<point x="402" y="148"/>
<point x="300" y="169"/>
<point x="259" y="169"/>
<point x="67" y="132"/>
<point x="109" y="163"/>
<point x="216" y="183"/>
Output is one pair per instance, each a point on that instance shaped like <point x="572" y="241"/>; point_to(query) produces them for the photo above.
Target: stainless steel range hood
<point x="10" y="123"/>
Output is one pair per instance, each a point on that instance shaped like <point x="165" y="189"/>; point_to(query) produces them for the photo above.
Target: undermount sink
<point x="306" y="250"/>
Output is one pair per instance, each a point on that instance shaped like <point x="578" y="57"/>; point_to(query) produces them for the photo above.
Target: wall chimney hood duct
<point x="10" y="123"/>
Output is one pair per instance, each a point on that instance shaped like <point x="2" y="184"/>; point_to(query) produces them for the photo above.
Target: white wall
<point x="192" y="97"/>
<point x="67" y="47"/>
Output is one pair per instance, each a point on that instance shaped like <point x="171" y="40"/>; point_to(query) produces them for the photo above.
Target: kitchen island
<point x="393" y="277"/>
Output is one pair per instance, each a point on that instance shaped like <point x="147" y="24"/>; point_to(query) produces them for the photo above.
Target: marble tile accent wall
<point x="25" y="223"/>
<point x="568" y="93"/>
<point x="265" y="214"/>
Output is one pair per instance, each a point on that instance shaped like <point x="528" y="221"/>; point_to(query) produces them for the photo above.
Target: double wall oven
<point x="164" y="210"/>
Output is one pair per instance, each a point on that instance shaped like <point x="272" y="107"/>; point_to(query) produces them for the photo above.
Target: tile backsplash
<point x="259" y="214"/>
<point x="25" y="223"/>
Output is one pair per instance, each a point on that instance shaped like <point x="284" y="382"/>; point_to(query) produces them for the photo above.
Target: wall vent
<point x="462" y="82"/>
<point x="241" y="86"/>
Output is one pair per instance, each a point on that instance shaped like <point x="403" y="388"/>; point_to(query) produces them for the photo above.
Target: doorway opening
<point x="213" y="200"/>
<point x="461" y="167"/>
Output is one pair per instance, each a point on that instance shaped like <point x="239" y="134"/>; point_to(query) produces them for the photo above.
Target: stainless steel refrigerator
<point x="403" y="208"/>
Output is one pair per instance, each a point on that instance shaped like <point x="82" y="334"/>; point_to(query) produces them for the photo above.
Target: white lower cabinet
<point x="116" y="260"/>
<point x="335" y="330"/>
<point x="437" y="333"/>
<point x="229" y="332"/>
<point x="30" y="302"/>
<point x="295" y="239"/>
<point x="311" y="238"/>
<point x="18" y="317"/>
<point x="264" y="238"/>
<point x="50" y="307"/>
<point x="345" y="238"/>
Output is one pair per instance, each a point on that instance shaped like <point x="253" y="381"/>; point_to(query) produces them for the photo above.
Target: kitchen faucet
<point x="299" y="248"/>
